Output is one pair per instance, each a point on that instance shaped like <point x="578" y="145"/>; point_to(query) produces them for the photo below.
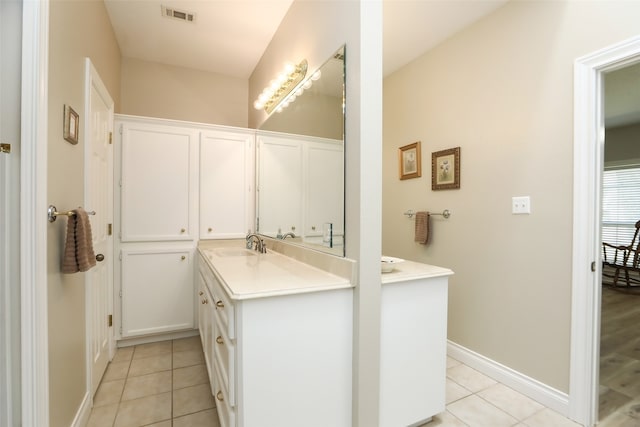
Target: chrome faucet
<point x="289" y="234"/>
<point x="253" y="240"/>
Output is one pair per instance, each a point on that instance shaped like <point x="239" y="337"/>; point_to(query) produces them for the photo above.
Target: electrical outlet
<point x="521" y="205"/>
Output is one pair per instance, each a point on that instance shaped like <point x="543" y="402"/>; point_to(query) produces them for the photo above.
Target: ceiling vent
<point x="181" y="15"/>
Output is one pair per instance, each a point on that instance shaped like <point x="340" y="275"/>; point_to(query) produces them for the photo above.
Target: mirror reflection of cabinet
<point x="279" y="185"/>
<point x="324" y="187"/>
<point x="300" y="187"/>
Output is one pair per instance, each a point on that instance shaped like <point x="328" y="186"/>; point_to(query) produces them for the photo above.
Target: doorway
<point x="620" y="305"/>
<point x="586" y="266"/>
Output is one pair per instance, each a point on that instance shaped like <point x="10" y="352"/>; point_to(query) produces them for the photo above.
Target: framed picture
<point x="410" y="158"/>
<point x="71" y="124"/>
<point x="445" y="169"/>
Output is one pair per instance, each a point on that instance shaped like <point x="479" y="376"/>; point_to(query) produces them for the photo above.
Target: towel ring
<point x="52" y="213"/>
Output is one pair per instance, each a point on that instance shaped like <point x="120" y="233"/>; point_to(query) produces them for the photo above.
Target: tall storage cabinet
<point x="176" y="182"/>
<point x="158" y="182"/>
<point x="226" y="184"/>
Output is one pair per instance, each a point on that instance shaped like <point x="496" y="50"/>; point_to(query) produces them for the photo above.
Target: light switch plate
<point x="521" y="205"/>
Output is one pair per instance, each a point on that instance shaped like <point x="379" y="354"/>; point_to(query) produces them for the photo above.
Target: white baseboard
<point x="534" y="389"/>
<point x="82" y="416"/>
<point x="127" y="342"/>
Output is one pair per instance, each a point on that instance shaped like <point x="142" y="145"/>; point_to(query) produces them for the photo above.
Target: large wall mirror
<point x="300" y="164"/>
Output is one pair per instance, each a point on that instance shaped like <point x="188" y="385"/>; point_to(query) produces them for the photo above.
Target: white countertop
<point x="409" y="270"/>
<point x="248" y="274"/>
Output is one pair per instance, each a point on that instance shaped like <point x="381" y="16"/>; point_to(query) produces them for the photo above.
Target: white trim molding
<point x="542" y="393"/>
<point x="33" y="207"/>
<point x="588" y="148"/>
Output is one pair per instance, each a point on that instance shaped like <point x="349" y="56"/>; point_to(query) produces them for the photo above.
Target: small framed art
<point x="410" y="158"/>
<point x="71" y="124"/>
<point x="445" y="169"/>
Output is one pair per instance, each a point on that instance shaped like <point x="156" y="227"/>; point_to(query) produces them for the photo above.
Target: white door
<point x="99" y="198"/>
<point x="10" y="84"/>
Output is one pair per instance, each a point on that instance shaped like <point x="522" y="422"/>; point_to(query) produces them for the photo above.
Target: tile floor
<point x="161" y="384"/>
<point x="475" y="400"/>
<point x="165" y="384"/>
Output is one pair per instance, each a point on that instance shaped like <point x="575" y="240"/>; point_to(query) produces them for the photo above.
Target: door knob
<point x="99" y="257"/>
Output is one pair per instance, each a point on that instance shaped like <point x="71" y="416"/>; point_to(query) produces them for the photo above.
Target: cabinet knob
<point x="293" y="228"/>
<point x="210" y="229"/>
<point x="220" y="304"/>
<point x="313" y="227"/>
<point x="201" y="293"/>
<point x="99" y="257"/>
<point x="219" y="396"/>
<point x="205" y="301"/>
<point x="182" y="230"/>
<point x="219" y="340"/>
<point x="183" y="257"/>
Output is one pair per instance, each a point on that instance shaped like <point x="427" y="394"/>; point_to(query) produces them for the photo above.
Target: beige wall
<point x="157" y="90"/>
<point x="76" y="30"/>
<point x="622" y="143"/>
<point x="502" y="90"/>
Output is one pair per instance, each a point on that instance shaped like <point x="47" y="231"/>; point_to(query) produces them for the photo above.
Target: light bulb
<point x="289" y="68"/>
<point x="316" y="75"/>
<point x="307" y="84"/>
<point x="258" y="105"/>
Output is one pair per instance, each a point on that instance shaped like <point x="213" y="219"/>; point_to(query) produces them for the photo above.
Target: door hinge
<point x="120" y="130"/>
<point x="109" y="229"/>
<point x="120" y="294"/>
<point x="593" y="266"/>
<point x="110" y="137"/>
<point x="5" y="148"/>
<point x="110" y="321"/>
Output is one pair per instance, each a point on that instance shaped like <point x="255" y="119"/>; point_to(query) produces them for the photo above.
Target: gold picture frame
<point x="445" y="169"/>
<point x="71" y="125"/>
<point x="410" y="159"/>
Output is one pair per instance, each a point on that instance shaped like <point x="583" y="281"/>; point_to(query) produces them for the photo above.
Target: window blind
<point x="620" y="204"/>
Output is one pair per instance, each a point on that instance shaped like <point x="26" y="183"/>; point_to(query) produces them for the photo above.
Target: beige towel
<point x="422" y="228"/>
<point x="78" y="249"/>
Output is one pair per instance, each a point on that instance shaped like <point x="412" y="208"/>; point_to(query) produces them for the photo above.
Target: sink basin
<point x="228" y="252"/>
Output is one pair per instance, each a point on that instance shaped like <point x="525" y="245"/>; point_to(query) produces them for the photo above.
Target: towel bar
<point x="52" y="213"/>
<point x="445" y="213"/>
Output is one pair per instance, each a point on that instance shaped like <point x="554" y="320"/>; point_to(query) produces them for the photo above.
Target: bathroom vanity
<point x="413" y="337"/>
<point x="277" y="336"/>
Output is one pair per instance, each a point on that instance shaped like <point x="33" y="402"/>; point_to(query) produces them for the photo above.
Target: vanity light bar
<point x="281" y="87"/>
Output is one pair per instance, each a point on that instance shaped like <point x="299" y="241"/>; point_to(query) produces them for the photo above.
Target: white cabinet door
<point x="226" y="184"/>
<point x="324" y="201"/>
<point x="157" y="291"/>
<point x="280" y="185"/>
<point x="413" y="351"/>
<point x="158" y="182"/>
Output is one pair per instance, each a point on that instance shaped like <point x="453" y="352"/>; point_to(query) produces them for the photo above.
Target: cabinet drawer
<point x="225" y="358"/>
<point x="225" y="310"/>
<point x="226" y="413"/>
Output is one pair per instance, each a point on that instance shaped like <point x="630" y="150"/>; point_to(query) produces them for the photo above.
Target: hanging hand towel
<point x="78" y="250"/>
<point x="422" y="228"/>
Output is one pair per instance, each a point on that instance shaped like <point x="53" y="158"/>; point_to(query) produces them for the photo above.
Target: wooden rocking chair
<point x="625" y="259"/>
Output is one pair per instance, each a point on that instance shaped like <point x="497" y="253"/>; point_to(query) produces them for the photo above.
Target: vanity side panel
<point x="295" y="356"/>
<point x="413" y="355"/>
